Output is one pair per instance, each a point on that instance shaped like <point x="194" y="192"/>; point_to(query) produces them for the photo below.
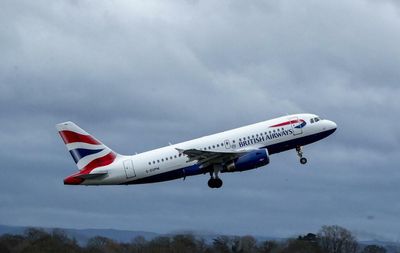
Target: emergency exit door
<point x="129" y="170"/>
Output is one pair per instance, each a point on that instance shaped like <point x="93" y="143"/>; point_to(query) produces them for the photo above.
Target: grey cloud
<point x="138" y="75"/>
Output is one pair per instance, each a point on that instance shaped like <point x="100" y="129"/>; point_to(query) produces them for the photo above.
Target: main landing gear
<point x="215" y="181"/>
<point x="299" y="151"/>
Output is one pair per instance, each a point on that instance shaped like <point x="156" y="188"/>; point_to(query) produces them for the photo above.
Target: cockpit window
<point x="315" y="120"/>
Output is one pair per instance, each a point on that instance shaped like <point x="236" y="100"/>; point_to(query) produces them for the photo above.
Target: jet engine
<point x="251" y="160"/>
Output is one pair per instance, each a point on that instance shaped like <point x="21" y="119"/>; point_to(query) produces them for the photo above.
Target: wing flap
<point x="206" y="158"/>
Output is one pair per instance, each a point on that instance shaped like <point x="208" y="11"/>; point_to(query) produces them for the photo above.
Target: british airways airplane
<point x="240" y="149"/>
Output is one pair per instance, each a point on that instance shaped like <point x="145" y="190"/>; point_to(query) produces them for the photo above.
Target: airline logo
<point x="296" y="123"/>
<point x="87" y="152"/>
<point x="262" y="138"/>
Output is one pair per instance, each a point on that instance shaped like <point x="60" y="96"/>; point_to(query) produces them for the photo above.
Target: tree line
<point x="330" y="239"/>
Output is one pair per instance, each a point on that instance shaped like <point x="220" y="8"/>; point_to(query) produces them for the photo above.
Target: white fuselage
<point x="168" y="162"/>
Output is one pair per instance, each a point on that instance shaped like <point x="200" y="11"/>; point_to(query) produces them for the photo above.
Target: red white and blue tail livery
<point x="239" y="149"/>
<point x="87" y="152"/>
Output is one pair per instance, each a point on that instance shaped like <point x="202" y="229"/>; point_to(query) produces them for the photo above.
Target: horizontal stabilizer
<point x="79" y="177"/>
<point x="91" y="176"/>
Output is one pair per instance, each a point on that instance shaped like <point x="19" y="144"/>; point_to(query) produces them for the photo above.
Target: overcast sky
<point x="140" y="74"/>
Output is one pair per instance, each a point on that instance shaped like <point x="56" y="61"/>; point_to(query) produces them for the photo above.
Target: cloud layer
<point x="141" y="74"/>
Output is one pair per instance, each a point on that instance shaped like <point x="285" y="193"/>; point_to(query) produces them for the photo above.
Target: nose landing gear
<point x="299" y="151"/>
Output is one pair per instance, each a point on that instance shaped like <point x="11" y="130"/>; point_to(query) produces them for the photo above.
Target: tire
<point x="303" y="160"/>
<point x="218" y="183"/>
<point x="211" y="183"/>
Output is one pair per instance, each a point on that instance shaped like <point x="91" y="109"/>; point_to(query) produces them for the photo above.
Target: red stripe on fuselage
<point x="99" y="162"/>
<point x="71" y="137"/>
<point x="287" y="123"/>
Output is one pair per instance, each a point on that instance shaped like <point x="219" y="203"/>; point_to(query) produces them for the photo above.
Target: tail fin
<point x="87" y="152"/>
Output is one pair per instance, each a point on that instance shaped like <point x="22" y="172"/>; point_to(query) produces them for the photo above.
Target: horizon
<point x="197" y="233"/>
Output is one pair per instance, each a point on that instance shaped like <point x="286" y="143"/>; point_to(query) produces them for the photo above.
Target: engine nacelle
<point x="251" y="160"/>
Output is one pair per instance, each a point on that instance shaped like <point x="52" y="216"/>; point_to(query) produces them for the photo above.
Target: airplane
<point x="235" y="150"/>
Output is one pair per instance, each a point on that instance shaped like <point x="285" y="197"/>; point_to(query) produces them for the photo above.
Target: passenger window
<point x="175" y="156"/>
<point x="162" y="160"/>
<point x="312" y="121"/>
<point x="158" y="161"/>
<point x="316" y="119"/>
<point x="170" y="157"/>
<point x="217" y="145"/>
<point x="213" y="146"/>
<point x="166" y="158"/>
<point x="233" y="141"/>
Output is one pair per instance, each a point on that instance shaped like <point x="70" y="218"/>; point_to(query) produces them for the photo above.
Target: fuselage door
<point x="296" y="125"/>
<point x="129" y="170"/>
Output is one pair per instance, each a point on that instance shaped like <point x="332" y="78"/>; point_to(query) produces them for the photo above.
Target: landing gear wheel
<point x="218" y="183"/>
<point x="303" y="160"/>
<point x="215" y="183"/>
<point x="299" y="151"/>
<point x="211" y="183"/>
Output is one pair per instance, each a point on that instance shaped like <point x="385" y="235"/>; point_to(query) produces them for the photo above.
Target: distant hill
<point x="83" y="235"/>
<point x="125" y="236"/>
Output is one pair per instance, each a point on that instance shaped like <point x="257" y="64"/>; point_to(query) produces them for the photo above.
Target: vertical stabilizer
<point x="87" y="152"/>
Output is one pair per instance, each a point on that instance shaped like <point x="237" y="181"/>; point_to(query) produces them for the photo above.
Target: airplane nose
<point x="331" y="125"/>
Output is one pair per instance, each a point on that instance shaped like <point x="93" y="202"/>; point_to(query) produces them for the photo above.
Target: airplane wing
<point x="206" y="158"/>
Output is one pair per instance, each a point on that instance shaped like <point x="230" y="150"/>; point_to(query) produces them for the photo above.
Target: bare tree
<point x="374" y="249"/>
<point x="335" y="239"/>
<point x="268" y="247"/>
<point x="160" y="244"/>
<point x="184" y="243"/>
<point x="249" y="243"/>
<point x="103" y="244"/>
<point x="137" y="244"/>
<point x="222" y="244"/>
